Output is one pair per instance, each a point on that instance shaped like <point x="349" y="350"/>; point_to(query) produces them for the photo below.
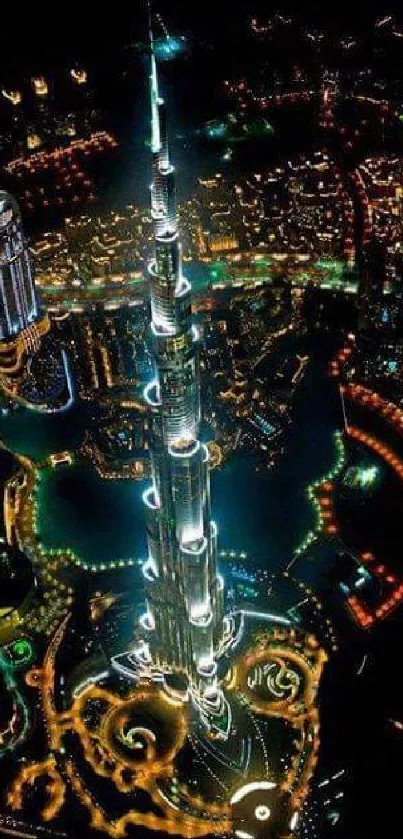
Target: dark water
<point x="263" y="513"/>
<point x="267" y="513"/>
<point x="99" y="520"/>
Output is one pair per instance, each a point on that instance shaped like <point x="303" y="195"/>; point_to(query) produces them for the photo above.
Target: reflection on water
<point x="37" y="435"/>
<point x="99" y="520"/>
<point x="263" y="513"/>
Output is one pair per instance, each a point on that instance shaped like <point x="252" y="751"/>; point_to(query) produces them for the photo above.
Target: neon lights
<point x="195" y="549"/>
<point x="268" y="616"/>
<point x="147" y="621"/>
<point x="150" y="498"/>
<point x="254" y="786"/>
<point x="162" y="329"/>
<point x="87" y="683"/>
<point x="262" y="812"/>
<point x="183" y="287"/>
<point x="147" y="393"/>
<point x="150" y="570"/>
<point x="294" y="820"/>
<point x="184" y="448"/>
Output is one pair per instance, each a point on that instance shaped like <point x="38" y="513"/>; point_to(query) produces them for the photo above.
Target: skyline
<point x="201" y="447"/>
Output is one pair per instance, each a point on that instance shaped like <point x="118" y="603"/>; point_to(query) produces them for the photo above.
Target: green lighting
<point x="368" y="476"/>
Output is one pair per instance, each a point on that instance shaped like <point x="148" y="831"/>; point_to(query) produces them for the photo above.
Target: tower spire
<point x="154" y="92"/>
<point x="163" y="193"/>
<point x="183" y="623"/>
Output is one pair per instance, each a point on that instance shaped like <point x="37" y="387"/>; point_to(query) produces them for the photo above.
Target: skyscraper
<point x="33" y="369"/>
<point x="18" y="303"/>
<point x="185" y="599"/>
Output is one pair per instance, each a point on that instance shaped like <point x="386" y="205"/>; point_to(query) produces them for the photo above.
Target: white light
<point x="243" y="835"/>
<point x="183" y="287"/>
<point x="265" y="616"/>
<point x="252" y="787"/>
<point x="162" y="329"/>
<point x="147" y="393"/>
<point x="198" y="610"/>
<point x="206" y="453"/>
<point x="149" y="569"/>
<point x="197" y="550"/>
<point x="206" y="666"/>
<point x="262" y="812"/>
<point x="294" y="820"/>
<point x="186" y="451"/>
<point x="147" y="621"/>
<point x="150" y="499"/>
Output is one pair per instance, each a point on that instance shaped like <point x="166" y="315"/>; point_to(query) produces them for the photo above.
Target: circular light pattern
<point x="262" y="812"/>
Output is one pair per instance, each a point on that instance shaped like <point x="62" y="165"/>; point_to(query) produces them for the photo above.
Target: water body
<point x="268" y="513"/>
<point x="263" y="513"/>
<point x="100" y="520"/>
<point x="36" y="435"/>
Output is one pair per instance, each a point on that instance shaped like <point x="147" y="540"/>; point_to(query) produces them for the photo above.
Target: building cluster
<point x="244" y="411"/>
<point x="50" y="132"/>
<point x="46" y="111"/>
<point x="94" y="257"/>
<point x="295" y="220"/>
<point x="378" y="355"/>
<point x="299" y="210"/>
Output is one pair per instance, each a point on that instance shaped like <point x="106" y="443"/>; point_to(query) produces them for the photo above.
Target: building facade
<point x="19" y="306"/>
<point x="33" y="368"/>
<point x="183" y="623"/>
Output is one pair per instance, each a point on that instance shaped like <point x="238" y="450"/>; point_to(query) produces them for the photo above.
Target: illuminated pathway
<point x="321" y="494"/>
<point x="136" y="739"/>
<point x="372" y="400"/>
<point x="15" y="733"/>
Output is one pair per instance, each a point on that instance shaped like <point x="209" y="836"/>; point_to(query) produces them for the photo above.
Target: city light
<point x="216" y="338"/>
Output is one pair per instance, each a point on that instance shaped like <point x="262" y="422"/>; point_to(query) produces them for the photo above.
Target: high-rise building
<point x="18" y="304"/>
<point x="188" y="649"/>
<point x="33" y="369"/>
<point x="185" y="603"/>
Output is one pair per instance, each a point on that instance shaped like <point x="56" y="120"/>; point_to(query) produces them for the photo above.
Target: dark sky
<point x="76" y="27"/>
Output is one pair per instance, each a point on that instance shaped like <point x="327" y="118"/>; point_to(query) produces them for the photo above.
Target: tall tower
<point x="33" y="368"/>
<point x="18" y="303"/>
<point x="185" y="599"/>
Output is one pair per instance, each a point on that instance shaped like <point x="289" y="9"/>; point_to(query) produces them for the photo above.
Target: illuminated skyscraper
<point x="18" y="303"/>
<point x="33" y="369"/>
<point x="185" y="602"/>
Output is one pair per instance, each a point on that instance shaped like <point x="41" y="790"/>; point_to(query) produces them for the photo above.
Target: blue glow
<point x="170" y="47"/>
